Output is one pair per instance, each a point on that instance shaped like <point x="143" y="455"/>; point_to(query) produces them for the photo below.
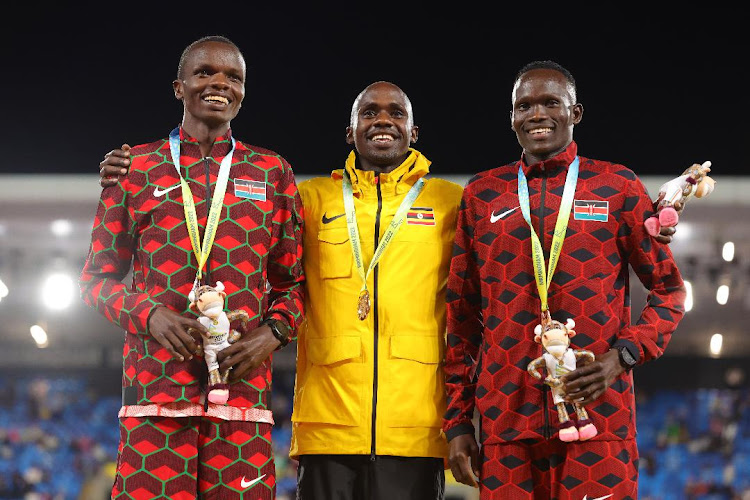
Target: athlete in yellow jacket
<point x="370" y="395"/>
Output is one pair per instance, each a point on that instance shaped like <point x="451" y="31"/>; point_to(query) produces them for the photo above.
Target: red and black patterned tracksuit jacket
<point x="258" y="242"/>
<point x="493" y="302"/>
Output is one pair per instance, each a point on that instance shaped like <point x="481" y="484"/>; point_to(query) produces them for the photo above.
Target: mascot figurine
<point x="673" y="194"/>
<point x="559" y="358"/>
<point x="208" y="302"/>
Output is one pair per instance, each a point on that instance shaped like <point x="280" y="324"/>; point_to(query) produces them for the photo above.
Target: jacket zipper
<point x="545" y="387"/>
<point x="207" y="162"/>
<point x="375" y="322"/>
<point x="207" y="274"/>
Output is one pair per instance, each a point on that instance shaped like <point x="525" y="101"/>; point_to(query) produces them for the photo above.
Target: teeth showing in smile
<point x="382" y="138"/>
<point x="216" y="98"/>
<point x="538" y="131"/>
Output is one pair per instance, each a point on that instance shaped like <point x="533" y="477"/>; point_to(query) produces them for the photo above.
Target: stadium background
<point x="659" y="95"/>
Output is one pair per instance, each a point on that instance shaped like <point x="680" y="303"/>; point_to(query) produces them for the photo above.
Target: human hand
<point x="247" y="353"/>
<point x="171" y="331"/>
<point x="666" y="234"/>
<point x="463" y="458"/>
<point x="114" y="164"/>
<point x="588" y="382"/>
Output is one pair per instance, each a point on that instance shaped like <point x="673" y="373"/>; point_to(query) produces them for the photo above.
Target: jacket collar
<point x="399" y="180"/>
<point x="561" y="160"/>
<point x="220" y="148"/>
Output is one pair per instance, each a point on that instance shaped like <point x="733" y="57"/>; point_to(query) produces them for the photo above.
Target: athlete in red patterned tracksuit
<point x="494" y="305"/>
<point x="174" y="444"/>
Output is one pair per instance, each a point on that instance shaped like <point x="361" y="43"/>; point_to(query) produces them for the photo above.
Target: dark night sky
<point x="658" y="94"/>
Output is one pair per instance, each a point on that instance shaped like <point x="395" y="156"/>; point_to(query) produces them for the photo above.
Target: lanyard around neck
<point x="385" y="240"/>
<point x="543" y="280"/>
<point x="191" y="219"/>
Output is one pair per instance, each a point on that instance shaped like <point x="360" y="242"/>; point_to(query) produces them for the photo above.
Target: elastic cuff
<point x="459" y="430"/>
<point x="280" y="316"/>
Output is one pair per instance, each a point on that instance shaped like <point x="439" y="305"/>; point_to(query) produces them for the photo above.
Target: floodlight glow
<point x="3" y="290"/>
<point x="58" y="291"/>
<point x="722" y="294"/>
<point x="688" y="296"/>
<point x="685" y="231"/>
<point x="39" y="336"/>
<point x="716" y="341"/>
<point x="727" y="251"/>
<point x="61" y="227"/>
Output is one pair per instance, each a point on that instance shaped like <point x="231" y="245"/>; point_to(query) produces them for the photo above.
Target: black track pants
<point x="358" y="477"/>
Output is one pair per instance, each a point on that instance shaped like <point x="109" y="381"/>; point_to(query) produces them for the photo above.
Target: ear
<point x="177" y="87"/>
<point x="349" y="135"/>
<point x="571" y="333"/>
<point x="194" y="307"/>
<point x="223" y="294"/>
<point x="414" y="134"/>
<point x="538" y="334"/>
<point x="577" y="113"/>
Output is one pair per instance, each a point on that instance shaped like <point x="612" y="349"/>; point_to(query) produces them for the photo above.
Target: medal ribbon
<point x="191" y="218"/>
<point x="390" y="232"/>
<point x="543" y="280"/>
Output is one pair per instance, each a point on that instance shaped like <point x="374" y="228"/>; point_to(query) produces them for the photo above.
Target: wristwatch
<point x="626" y="358"/>
<point x="279" y="329"/>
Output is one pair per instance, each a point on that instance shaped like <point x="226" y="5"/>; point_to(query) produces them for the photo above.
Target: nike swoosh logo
<point x="161" y="192"/>
<point x="326" y="220"/>
<point x="246" y="484"/>
<point x="585" y="497"/>
<point x="494" y="218"/>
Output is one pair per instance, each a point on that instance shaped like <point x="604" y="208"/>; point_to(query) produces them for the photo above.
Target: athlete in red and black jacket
<point x="494" y="306"/>
<point x="142" y="220"/>
<point x="172" y="442"/>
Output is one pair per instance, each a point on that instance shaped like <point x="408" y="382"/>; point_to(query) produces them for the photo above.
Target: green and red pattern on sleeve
<point x="140" y="228"/>
<point x="493" y="303"/>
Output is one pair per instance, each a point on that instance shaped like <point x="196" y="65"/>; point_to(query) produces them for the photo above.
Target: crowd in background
<point x="58" y="441"/>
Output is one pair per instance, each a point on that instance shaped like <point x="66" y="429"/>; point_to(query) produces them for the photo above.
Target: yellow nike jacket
<point x="374" y="386"/>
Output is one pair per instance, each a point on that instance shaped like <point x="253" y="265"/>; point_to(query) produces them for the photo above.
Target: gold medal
<point x="363" y="304"/>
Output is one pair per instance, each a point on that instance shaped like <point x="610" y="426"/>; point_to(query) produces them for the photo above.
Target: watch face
<point x="626" y="357"/>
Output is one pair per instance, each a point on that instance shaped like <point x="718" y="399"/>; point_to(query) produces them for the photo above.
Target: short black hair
<point x="205" y="39"/>
<point x="548" y="64"/>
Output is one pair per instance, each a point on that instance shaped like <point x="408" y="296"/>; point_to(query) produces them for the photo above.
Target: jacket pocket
<point x="412" y="385"/>
<point x="415" y="273"/>
<point x="331" y="350"/>
<point x="331" y="389"/>
<point x="335" y="253"/>
<point x="425" y="350"/>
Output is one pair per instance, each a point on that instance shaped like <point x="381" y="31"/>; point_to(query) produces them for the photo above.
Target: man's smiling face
<point x="381" y="128"/>
<point x="544" y="113"/>
<point x="211" y="84"/>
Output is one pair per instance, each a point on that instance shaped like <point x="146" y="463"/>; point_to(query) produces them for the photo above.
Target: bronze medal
<point x="363" y="304"/>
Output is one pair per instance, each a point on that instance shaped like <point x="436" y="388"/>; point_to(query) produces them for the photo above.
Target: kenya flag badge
<point x="591" y="210"/>
<point x="252" y="190"/>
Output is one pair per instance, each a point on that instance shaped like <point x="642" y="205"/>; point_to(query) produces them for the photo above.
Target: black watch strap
<point x="279" y="329"/>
